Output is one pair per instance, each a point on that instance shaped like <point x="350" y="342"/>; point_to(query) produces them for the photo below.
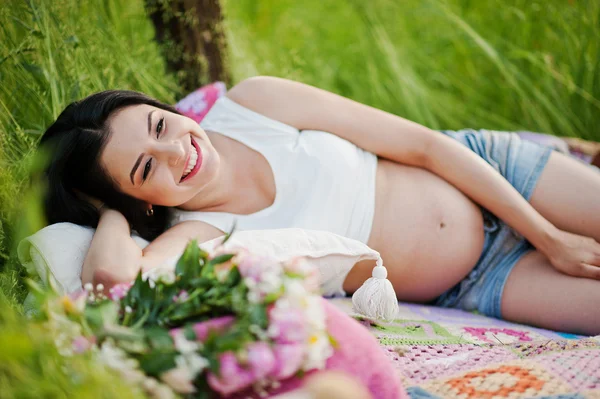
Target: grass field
<point x="449" y="64"/>
<point x="52" y="53"/>
<point x="518" y="64"/>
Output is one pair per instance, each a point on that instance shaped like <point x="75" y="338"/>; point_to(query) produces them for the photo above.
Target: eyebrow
<point x="139" y="160"/>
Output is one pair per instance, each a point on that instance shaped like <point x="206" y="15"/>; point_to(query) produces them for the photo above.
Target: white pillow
<point x="56" y="253"/>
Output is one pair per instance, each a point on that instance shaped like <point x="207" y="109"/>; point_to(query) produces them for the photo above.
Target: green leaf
<point x="272" y="297"/>
<point x="333" y="341"/>
<point x="159" y="338"/>
<point x="217" y="260"/>
<point x="189" y="333"/>
<point x="100" y="315"/>
<point x="189" y="259"/>
<point x="134" y="293"/>
<point x="228" y="235"/>
<point x="258" y="315"/>
<point x="157" y="362"/>
<point x="233" y="278"/>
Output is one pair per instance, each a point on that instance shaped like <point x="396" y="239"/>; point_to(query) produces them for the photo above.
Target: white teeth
<point x="192" y="162"/>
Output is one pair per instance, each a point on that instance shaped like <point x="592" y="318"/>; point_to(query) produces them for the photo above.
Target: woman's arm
<point x="114" y="257"/>
<point x="392" y="137"/>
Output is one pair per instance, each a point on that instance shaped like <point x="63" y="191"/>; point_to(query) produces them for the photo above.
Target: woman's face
<point x="158" y="156"/>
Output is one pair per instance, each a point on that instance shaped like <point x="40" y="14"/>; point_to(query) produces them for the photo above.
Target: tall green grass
<point x="52" y="53"/>
<point x="448" y="64"/>
<point x="31" y="366"/>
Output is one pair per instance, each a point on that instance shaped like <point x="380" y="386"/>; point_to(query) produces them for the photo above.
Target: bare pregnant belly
<point x="429" y="234"/>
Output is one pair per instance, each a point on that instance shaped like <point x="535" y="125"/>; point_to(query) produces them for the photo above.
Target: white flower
<point x="319" y="350"/>
<point x="160" y="275"/>
<point x="270" y="281"/>
<point x="180" y="379"/>
<point x="157" y="390"/>
<point x="295" y="291"/>
<point x="315" y="314"/>
<point x="115" y="357"/>
<point x="254" y="297"/>
<point x="162" y="391"/>
<point x="183" y="345"/>
<point x="195" y="363"/>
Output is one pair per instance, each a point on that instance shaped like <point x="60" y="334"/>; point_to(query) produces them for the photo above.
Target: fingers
<point x="588" y="271"/>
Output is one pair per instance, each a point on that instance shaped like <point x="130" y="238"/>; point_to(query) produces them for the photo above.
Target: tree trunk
<point x="190" y="33"/>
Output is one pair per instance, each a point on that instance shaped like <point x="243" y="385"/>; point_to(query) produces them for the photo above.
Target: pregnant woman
<point x="478" y="220"/>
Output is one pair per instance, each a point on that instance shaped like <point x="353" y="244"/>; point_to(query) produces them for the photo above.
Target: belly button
<point x="442" y="225"/>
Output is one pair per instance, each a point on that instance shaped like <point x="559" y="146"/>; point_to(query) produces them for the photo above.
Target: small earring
<point x="150" y="211"/>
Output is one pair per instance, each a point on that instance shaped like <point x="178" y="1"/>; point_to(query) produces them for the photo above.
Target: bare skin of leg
<point x="538" y="294"/>
<point x="568" y="195"/>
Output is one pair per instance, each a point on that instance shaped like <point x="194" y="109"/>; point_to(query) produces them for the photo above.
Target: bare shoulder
<point x="257" y="87"/>
<point x="190" y="230"/>
<point x="280" y="99"/>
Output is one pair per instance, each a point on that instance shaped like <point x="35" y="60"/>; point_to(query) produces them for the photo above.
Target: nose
<point x="172" y="152"/>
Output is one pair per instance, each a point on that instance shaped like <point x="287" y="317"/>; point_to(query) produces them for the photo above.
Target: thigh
<point x="568" y="195"/>
<point x="535" y="293"/>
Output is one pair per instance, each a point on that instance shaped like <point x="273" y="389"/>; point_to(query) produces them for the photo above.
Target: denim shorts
<point x="521" y="163"/>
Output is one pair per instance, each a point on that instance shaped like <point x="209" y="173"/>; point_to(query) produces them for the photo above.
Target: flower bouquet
<point x="218" y="325"/>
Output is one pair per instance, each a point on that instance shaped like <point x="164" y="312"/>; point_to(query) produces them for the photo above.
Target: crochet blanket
<point x="450" y="353"/>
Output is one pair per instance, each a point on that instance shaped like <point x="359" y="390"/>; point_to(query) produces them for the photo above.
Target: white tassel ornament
<point x="376" y="298"/>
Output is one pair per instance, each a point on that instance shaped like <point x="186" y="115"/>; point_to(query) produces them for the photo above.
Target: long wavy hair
<point x="73" y="144"/>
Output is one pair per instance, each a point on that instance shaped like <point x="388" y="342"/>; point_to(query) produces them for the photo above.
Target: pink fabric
<point x="197" y="104"/>
<point x="358" y="354"/>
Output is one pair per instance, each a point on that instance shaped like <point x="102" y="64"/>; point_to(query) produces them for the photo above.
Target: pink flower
<point x="250" y="266"/>
<point x="312" y="281"/>
<point x="288" y="359"/>
<point x="203" y="329"/>
<point x="232" y="378"/>
<point x="181" y="297"/>
<point x="261" y="359"/>
<point x="81" y="344"/>
<point x="300" y="266"/>
<point x="78" y="295"/>
<point x="287" y="325"/>
<point x="117" y="292"/>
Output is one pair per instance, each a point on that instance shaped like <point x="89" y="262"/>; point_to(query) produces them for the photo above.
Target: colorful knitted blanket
<point x="450" y="353"/>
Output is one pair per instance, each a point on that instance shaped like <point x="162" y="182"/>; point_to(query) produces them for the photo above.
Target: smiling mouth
<point x="194" y="162"/>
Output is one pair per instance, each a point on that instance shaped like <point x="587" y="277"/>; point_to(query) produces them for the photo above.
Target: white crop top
<point x="322" y="181"/>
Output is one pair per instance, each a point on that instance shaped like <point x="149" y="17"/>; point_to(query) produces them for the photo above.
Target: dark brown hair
<point x="74" y="143"/>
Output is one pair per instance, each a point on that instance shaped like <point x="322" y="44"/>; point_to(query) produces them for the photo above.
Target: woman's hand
<point x="113" y="257"/>
<point x="111" y="277"/>
<point x="575" y="255"/>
